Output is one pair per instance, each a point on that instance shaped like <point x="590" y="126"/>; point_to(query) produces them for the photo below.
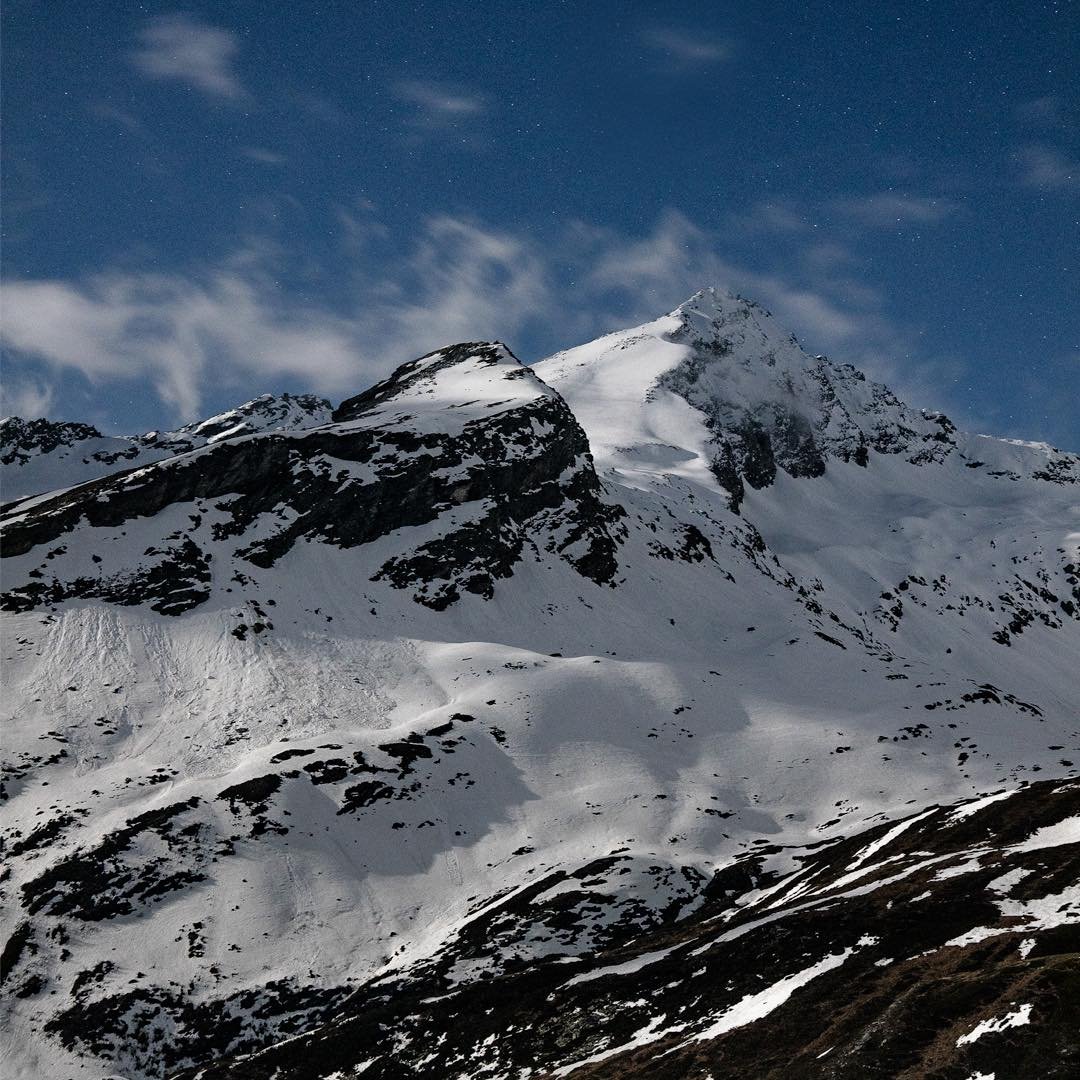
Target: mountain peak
<point x="471" y="373"/>
<point x="719" y="381"/>
<point x="714" y="299"/>
<point x="715" y="316"/>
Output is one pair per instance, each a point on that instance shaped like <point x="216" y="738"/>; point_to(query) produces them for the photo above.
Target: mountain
<point x="39" y="456"/>
<point x="607" y="717"/>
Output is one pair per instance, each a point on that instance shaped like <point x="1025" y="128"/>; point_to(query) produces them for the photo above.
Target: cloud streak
<point x="234" y="326"/>
<point x="439" y="104"/>
<point x="1045" y="168"/>
<point x="173" y="331"/>
<point x="182" y="49"/>
<point x="262" y="155"/>
<point x="887" y="209"/>
<point x="684" y="50"/>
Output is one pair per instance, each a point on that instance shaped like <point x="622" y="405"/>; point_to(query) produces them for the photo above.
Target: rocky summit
<point x="682" y="705"/>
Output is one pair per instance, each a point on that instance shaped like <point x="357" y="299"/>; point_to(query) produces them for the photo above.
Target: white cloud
<point x="686" y="49"/>
<point x="654" y="272"/>
<point x="174" y="331"/>
<point x="439" y="104"/>
<point x="181" y="48"/>
<point x="262" y="155"/>
<point x="1044" y="167"/>
<point x="26" y="397"/>
<point x="233" y="325"/>
<point x="888" y="209"/>
<point x="462" y="282"/>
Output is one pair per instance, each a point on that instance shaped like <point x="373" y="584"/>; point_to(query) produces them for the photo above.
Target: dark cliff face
<point x="512" y="464"/>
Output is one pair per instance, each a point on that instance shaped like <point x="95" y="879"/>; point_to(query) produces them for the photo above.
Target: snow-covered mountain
<point x="451" y="731"/>
<point x="38" y="456"/>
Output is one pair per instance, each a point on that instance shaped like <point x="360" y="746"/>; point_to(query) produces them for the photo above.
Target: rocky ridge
<point x="38" y="456"/>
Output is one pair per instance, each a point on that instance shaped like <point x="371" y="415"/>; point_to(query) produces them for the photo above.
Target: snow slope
<point x="287" y="710"/>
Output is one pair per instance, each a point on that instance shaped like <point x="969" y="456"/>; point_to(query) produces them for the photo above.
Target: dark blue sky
<point x="210" y="201"/>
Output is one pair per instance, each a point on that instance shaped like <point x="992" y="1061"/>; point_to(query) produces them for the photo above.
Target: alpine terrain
<point x="683" y="705"/>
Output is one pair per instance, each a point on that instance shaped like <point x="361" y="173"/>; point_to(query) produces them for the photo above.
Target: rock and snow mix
<point x="492" y="668"/>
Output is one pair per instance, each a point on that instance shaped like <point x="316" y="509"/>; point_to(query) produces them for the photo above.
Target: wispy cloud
<point x="1045" y="111"/>
<point x="888" y="209"/>
<point x="233" y="325"/>
<point x="27" y="397"/>
<point x="439" y="104"/>
<point x="183" y="49"/>
<point x="683" y="49"/>
<point x="262" y="155"/>
<point x="128" y="121"/>
<point x="174" y="331"/>
<point x="776" y="216"/>
<point x="1043" y="166"/>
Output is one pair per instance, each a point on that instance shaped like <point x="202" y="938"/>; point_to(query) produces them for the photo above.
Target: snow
<point x="969" y="866"/>
<point x="637" y="432"/>
<point x="756" y="1006"/>
<point x="1062" y="832"/>
<point x="1008" y="881"/>
<point x="1018" y="1018"/>
<point x="745" y="1011"/>
<point x="627" y="968"/>
<point x="1042" y="913"/>
<point x="642" y="1037"/>
<point x="968" y="809"/>
<point x="446" y="400"/>
<point x="887" y="838"/>
<point x="702" y="712"/>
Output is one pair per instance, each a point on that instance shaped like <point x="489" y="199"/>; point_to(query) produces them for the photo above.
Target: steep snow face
<point x="640" y="431"/>
<point x="38" y="456"/>
<point x="289" y="708"/>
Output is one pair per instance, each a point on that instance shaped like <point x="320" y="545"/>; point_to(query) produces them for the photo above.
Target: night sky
<point x="213" y="201"/>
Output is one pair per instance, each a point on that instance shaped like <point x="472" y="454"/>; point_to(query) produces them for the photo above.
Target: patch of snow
<point x="1064" y="832"/>
<point x="1019" y="1018"/>
<point x="887" y="838"/>
<point x="970" y="808"/>
<point x="756" y="1006"/>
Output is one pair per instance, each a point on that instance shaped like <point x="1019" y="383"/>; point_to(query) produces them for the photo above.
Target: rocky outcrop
<point x="465" y="441"/>
<point x="20" y="438"/>
<point x="42" y="455"/>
